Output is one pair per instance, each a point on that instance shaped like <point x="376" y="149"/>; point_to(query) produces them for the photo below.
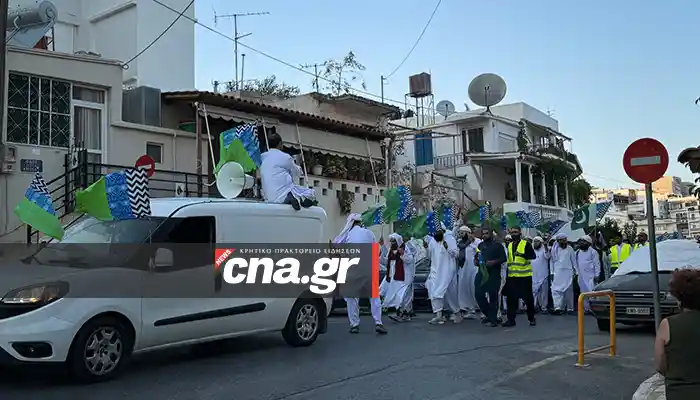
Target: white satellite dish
<point x="232" y="180"/>
<point x="487" y="90"/>
<point x="445" y="108"/>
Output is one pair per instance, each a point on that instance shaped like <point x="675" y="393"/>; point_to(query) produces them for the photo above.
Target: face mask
<point x="438" y="236"/>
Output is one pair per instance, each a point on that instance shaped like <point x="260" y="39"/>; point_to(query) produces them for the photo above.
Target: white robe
<point x="359" y="234"/>
<point x="563" y="264"/>
<point x="443" y="269"/>
<point x="278" y="172"/>
<point x="467" y="275"/>
<point x="540" y="276"/>
<point x="395" y="291"/>
<point x="587" y="268"/>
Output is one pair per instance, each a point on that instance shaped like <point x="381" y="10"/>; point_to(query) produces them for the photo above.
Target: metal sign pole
<point x="652" y="253"/>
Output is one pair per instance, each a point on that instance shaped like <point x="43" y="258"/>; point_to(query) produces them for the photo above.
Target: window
<point x="38" y="111"/>
<point x="476" y="140"/>
<point x="190" y="242"/>
<point x="155" y="151"/>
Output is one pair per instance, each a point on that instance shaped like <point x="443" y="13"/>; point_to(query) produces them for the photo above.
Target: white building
<point x="685" y="211"/>
<point x="499" y="157"/>
<point x="120" y="29"/>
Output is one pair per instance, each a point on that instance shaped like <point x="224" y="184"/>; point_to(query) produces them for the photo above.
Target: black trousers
<point x="516" y="289"/>
<point x="490" y="287"/>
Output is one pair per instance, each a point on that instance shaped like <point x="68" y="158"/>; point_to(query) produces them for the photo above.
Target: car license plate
<point x="638" y="311"/>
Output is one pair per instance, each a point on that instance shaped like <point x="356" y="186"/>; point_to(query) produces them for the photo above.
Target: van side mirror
<point x="163" y="258"/>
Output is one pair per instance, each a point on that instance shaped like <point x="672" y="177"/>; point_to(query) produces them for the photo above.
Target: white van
<point x="94" y="337"/>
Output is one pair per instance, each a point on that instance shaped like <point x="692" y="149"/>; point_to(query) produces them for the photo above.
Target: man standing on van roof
<point x="278" y="172"/>
<point x="353" y="232"/>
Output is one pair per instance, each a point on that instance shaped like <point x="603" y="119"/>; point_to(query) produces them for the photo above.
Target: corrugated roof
<point x="242" y="104"/>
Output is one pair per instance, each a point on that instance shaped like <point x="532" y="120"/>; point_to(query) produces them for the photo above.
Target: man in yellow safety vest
<point x="519" y="278"/>
<point x="642" y="240"/>
<point x="619" y="251"/>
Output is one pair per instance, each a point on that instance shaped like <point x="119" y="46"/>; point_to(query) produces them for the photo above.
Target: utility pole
<point x="236" y="36"/>
<point x="315" y="67"/>
<point x="383" y="80"/>
<point x="4" y="6"/>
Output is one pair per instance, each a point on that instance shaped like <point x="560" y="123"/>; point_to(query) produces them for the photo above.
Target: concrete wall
<point x="120" y="29"/>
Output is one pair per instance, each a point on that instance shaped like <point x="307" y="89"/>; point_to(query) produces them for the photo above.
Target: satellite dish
<point x="445" y="108"/>
<point x="487" y="90"/>
<point x="231" y="180"/>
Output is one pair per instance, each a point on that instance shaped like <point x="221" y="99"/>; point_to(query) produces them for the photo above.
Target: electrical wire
<point x="145" y="49"/>
<point x="417" y="41"/>
<point x="290" y="65"/>
<point x="271" y="57"/>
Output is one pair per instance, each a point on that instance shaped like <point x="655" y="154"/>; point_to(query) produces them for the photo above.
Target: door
<point x="182" y="255"/>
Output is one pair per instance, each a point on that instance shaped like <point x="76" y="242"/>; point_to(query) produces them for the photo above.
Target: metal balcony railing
<point x="449" y="161"/>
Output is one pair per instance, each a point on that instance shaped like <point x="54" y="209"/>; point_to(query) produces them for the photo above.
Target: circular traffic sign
<point x="645" y="160"/>
<point x="146" y="162"/>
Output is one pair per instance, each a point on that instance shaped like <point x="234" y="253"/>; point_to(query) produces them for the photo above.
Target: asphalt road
<point x="414" y="361"/>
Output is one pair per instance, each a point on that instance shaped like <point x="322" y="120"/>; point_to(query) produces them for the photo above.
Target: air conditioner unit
<point x="8" y="153"/>
<point x="142" y="105"/>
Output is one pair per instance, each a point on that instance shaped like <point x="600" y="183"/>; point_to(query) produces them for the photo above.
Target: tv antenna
<point x="487" y="90"/>
<point x="316" y="75"/>
<point x="550" y="112"/>
<point x="236" y="36"/>
<point x="445" y="108"/>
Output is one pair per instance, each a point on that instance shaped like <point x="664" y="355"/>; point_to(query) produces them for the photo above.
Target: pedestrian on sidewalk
<point x="677" y="349"/>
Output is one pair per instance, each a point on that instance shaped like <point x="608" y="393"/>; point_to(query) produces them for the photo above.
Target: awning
<point x="312" y="139"/>
<point x="330" y="143"/>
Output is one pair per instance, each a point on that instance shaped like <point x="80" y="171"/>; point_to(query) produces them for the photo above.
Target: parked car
<point x="633" y="284"/>
<point x="44" y="319"/>
<point x="634" y="299"/>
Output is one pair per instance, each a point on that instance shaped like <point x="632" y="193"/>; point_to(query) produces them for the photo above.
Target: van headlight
<point x="36" y="295"/>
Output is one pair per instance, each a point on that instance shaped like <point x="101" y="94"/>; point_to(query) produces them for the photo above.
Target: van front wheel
<point x="303" y="323"/>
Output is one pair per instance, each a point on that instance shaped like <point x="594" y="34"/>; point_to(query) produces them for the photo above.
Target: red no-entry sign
<point x="147" y="163"/>
<point x="645" y="160"/>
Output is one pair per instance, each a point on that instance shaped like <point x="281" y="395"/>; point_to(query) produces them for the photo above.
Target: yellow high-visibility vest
<point x="639" y="246"/>
<point x="617" y="259"/>
<point x="518" y="267"/>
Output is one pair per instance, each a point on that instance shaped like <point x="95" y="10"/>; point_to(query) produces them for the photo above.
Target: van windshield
<point x="89" y="239"/>
<point x="90" y="230"/>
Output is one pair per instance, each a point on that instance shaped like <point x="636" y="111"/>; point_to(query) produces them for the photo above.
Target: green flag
<point x="372" y="216"/>
<point x="393" y="204"/>
<point x="36" y="209"/>
<point x="472" y="217"/>
<point x="584" y="217"/>
<point x="512" y="220"/>
<point x="419" y="227"/>
<point x="239" y="145"/>
<point x="93" y="201"/>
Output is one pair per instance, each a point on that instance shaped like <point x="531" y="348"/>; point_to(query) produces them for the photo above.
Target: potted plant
<point x="345" y="200"/>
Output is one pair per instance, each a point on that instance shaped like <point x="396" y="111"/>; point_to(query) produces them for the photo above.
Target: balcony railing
<point x="449" y="161"/>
